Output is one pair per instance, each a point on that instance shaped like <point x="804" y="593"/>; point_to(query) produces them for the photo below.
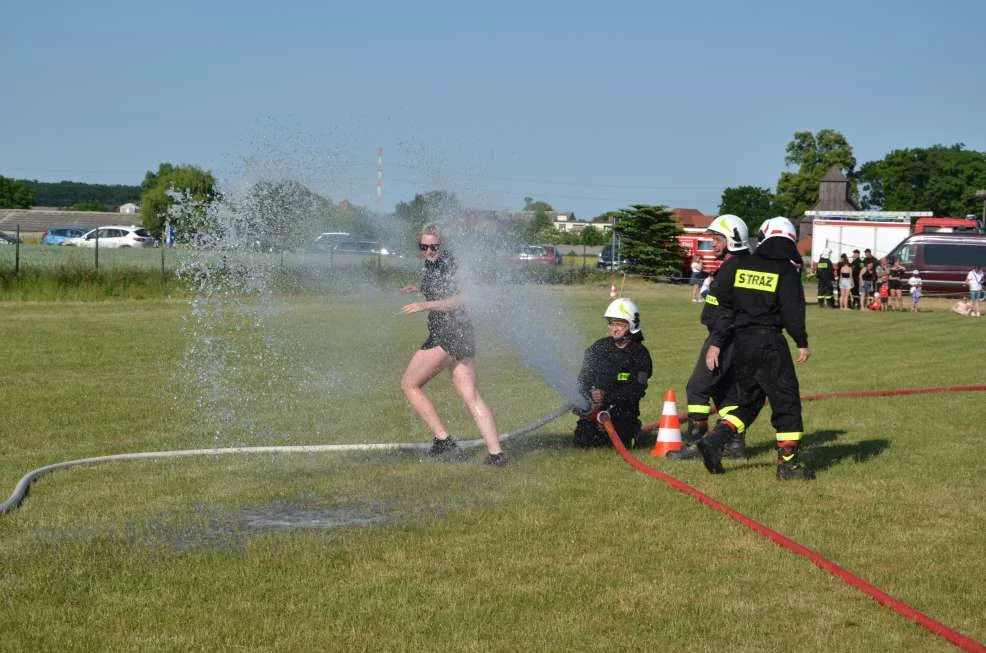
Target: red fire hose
<point x="940" y="629"/>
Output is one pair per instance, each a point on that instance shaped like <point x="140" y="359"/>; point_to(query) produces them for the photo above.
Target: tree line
<point x="285" y="214"/>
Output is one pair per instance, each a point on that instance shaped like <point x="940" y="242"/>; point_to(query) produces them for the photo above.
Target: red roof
<point x="692" y="218"/>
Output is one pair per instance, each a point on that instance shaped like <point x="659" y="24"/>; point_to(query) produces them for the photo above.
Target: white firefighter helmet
<point x="736" y="232"/>
<point x="827" y="254"/>
<point x="624" y="309"/>
<point x="779" y="226"/>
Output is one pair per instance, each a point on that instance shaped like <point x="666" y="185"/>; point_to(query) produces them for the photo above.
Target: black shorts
<point x="893" y="284"/>
<point x="456" y="338"/>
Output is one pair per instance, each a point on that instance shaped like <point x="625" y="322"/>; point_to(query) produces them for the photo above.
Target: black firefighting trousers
<point x="719" y="386"/>
<point x="765" y="369"/>
<point x="589" y="433"/>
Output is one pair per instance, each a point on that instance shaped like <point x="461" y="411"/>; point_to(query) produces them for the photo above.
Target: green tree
<point x="284" y="214"/>
<point x="531" y="204"/>
<point x="647" y="234"/>
<point x="751" y="203"/>
<point x="196" y="189"/>
<point x="940" y="179"/>
<point x="433" y="206"/>
<point x="541" y="226"/>
<point x="592" y="237"/>
<point x="14" y="195"/>
<point x="813" y="155"/>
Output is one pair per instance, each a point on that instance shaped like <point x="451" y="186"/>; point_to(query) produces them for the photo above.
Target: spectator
<point x="857" y="267"/>
<point x="975" y="282"/>
<point x="915" y="283"/>
<point x="867" y="277"/>
<point x="696" y="278"/>
<point x="884" y="296"/>
<point x="845" y="283"/>
<point x="963" y="306"/>
<point x="895" y="281"/>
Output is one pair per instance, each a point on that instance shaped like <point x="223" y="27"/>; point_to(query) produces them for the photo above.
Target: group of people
<point x="865" y="283"/>
<point x="744" y="362"/>
<point x="970" y="305"/>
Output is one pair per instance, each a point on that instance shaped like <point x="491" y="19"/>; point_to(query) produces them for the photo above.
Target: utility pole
<point x="981" y="194"/>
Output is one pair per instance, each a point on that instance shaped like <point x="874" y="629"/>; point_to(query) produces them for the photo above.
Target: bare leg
<point x="464" y="378"/>
<point x="424" y="366"/>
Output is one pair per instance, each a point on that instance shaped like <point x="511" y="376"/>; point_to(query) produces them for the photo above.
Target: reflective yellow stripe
<point x="698" y="408"/>
<point x="725" y="410"/>
<point x="710" y="299"/>
<point x="735" y="421"/>
<point x="753" y="280"/>
<point x="793" y="436"/>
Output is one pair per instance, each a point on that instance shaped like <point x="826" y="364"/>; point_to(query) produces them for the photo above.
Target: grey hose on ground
<point x="22" y="486"/>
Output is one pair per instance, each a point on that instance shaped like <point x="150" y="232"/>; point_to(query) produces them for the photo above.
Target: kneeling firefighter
<point x="614" y="378"/>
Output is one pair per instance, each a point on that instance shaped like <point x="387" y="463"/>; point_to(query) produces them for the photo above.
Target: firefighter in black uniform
<point x="825" y="274"/>
<point x="759" y="296"/>
<point x="614" y="378"/>
<point x="731" y="240"/>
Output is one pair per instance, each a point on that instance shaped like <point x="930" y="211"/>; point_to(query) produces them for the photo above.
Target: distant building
<point x="129" y="208"/>
<point x="565" y="221"/>
<point x="692" y="220"/>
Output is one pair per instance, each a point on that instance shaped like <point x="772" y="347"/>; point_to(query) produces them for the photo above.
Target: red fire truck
<point x="697" y="243"/>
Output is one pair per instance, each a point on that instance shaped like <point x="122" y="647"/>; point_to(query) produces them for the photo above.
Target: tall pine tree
<point x="647" y="234"/>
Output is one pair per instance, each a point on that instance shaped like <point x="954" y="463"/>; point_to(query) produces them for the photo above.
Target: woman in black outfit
<point x="450" y="345"/>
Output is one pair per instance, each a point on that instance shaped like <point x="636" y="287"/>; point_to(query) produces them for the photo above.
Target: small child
<point x="875" y="304"/>
<point x="884" y="295"/>
<point x="915" y="283"/>
<point x="962" y="307"/>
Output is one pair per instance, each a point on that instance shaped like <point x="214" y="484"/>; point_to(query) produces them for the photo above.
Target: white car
<point x="114" y="236"/>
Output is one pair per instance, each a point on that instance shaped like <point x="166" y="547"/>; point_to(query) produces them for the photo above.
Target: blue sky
<point x="590" y="107"/>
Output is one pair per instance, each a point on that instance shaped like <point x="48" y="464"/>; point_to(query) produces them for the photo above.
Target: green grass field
<point x="563" y="550"/>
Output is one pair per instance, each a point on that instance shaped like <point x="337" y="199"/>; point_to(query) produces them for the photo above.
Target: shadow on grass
<point x="821" y="449"/>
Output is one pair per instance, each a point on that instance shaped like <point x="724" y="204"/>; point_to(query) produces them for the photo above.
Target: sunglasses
<point x="425" y="247"/>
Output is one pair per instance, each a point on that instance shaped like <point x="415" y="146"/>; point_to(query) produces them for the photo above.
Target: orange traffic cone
<point x="668" y="429"/>
<point x="612" y="291"/>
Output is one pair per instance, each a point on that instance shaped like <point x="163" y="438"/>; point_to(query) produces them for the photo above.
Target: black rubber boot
<point x="688" y="452"/>
<point x="696" y="429"/>
<point x="735" y="446"/>
<point x="789" y="466"/>
<point x="711" y="447"/>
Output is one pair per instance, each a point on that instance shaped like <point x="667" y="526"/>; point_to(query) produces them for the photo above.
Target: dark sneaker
<point x="688" y="452"/>
<point x="496" y="460"/>
<point x="442" y="447"/>
<point x="711" y="455"/>
<point x="735" y="447"/>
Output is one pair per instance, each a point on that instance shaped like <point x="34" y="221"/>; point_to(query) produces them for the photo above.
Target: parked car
<point x="943" y="259"/>
<point x="605" y="260"/>
<point x="58" y="235"/>
<point x="115" y="236"/>
<point x="7" y="239"/>
<point x="363" y="246"/>
<point x="325" y="242"/>
<point x="544" y="254"/>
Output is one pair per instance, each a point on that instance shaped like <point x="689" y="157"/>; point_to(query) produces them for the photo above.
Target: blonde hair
<point x="431" y="229"/>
